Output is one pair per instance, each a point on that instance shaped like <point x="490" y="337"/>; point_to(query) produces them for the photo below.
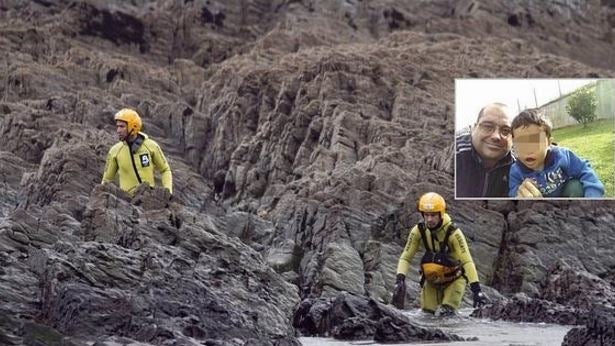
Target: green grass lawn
<point x="595" y="143"/>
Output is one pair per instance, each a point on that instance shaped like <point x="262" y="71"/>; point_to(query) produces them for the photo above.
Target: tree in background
<point x="582" y="105"/>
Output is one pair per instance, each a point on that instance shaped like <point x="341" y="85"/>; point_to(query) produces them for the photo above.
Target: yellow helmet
<point x="432" y="202"/>
<point x="132" y="119"/>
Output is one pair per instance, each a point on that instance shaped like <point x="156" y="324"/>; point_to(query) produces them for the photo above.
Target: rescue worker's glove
<point x="479" y="297"/>
<point x="399" y="292"/>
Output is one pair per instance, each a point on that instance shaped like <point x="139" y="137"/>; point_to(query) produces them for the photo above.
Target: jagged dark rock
<point x="521" y="308"/>
<point x="144" y="268"/>
<point x="568" y="296"/>
<point x="576" y="287"/>
<point x="598" y="330"/>
<point x="351" y="317"/>
<point x="543" y="233"/>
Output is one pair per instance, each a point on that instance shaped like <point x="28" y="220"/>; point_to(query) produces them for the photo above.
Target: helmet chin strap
<point x="437" y="226"/>
<point x="439" y="222"/>
<point x="130" y="137"/>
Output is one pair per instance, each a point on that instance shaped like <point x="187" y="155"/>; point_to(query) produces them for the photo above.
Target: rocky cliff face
<point x="300" y="134"/>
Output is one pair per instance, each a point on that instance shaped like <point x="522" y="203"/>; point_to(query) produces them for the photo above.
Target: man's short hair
<point x="532" y="116"/>
<point x="495" y="104"/>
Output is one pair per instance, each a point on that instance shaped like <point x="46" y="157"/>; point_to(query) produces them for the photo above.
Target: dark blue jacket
<point x="474" y="180"/>
<point x="561" y="165"/>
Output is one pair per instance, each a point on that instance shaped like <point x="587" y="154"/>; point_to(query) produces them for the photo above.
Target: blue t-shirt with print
<point x="561" y="165"/>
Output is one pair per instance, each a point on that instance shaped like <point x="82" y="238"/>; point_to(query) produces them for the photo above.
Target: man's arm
<point x="110" y="168"/>
<point x="580" y="169"/>
<point x="462" y="252"/>
<point x="463" y="153"/>
<point x="412" y="245"/>
<point x="514" y="180"/>
<point x="161" y="163"/>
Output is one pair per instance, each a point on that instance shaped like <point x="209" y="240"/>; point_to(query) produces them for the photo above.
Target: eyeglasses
<point x="488" y="128"/>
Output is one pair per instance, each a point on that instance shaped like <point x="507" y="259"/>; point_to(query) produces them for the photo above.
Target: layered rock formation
<point x="599" y="329"/>
<point x="352" y="317"/>
<point x="143" y="268"/>
<point x="300" y="134"/>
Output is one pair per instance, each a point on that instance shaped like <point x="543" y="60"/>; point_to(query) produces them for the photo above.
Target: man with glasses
<point x="483" y="157"/>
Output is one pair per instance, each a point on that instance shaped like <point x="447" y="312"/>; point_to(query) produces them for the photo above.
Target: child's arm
<point x="515" y="177"/>
<point x="580" y="169"/>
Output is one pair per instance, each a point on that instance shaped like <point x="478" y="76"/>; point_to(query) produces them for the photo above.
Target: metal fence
<point x="605" y="99"/>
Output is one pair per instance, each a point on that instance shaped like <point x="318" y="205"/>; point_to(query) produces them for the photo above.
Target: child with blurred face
<point x="543" y="169"/>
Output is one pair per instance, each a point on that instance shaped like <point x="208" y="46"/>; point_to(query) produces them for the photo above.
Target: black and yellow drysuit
<point x="139" y="166"/>
<point x="441" y="284"/>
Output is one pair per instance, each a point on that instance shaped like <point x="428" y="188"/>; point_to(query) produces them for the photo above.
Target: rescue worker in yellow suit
<point x="135" y="156"/>
<point x="447" y="265"/>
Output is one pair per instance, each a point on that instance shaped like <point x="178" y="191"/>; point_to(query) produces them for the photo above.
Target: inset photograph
<point x="535" y="138"/>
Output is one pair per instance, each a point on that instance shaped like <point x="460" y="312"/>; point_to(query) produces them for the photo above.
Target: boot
<point x="445" y="311"/>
